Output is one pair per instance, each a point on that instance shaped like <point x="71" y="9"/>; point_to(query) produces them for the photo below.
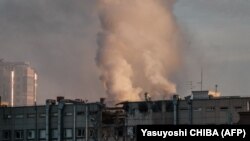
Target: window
<point x="68" y="114"/>
<point x="68" y="133"/>
<point x="7" y="116"/>
<point x="55" y="114"/>
<point x="119" y="131"/>
<point x="197" y="109"/>
<point x="156" y="107"/>
<point x="31" y="115"/>
<point x="238" y="107"/>
<point x="42" y="115"/>
<point x="6" y="134"/>
<point x="169" y="106"/>
<point x="92" y="112"/>
<point x="143" y="107"/>
<point x="126" y="107"/>
<point x="42" y="134"/>
<point x="210" y="109"/>
<point x="19" y="116"/>
<point x="18" y="134"/>
<point x="80" y="132"/>
<point x="183" y="108"/>
<point x="223" y="108"/>
<point x="80" y="113"/>
<point x="54" y="134"/>
<point x="31" y="134"/>
<point x="91" y="132"/>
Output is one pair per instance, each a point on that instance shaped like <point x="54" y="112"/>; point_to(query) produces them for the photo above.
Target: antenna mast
<point x="201" y="77"/>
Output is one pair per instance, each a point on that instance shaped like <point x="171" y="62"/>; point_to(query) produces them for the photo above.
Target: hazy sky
<point x="58" y="38"/>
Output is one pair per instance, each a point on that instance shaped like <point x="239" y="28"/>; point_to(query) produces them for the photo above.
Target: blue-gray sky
<point x="58" y="38"/>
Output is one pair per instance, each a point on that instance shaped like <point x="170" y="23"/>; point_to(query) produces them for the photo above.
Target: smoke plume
<point x="138" y="48"/>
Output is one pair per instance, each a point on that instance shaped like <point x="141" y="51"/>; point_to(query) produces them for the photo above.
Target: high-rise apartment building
<point x="18" y="83"/>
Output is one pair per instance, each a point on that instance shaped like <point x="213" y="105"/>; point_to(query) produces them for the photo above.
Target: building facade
<point x="75" y="120"/>
<point x="66" y="121"/>
<point x="18" y="84"/>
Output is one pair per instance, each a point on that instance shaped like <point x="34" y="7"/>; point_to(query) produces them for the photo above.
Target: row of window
<point x="43" y="115"/>
<point x="211" y="108"/>
<point x="143" y="108"/>
<point x="156" y="108"/>
<point x="31" y="134"/>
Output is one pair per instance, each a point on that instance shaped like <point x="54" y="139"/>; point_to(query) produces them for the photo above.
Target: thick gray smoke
<point x="138" y="48"/>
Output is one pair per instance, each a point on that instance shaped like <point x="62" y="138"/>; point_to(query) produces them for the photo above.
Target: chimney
<point x="102" y="100"/>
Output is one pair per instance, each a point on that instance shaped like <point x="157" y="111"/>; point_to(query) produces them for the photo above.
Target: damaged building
<point x="77" y="120"/>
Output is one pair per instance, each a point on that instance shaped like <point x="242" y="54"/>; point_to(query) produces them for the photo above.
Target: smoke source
<point x="138" y="48"/>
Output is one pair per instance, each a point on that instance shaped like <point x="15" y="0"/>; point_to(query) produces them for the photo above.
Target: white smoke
<point x="138" y="48"/>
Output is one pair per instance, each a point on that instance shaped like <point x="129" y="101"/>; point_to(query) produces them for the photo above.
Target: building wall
<point x="26" y="119"/>
<point x="22" y="122"/>
<point x="204" y="111"/>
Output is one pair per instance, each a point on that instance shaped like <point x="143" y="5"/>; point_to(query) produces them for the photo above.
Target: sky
<point x="58" y="38"/>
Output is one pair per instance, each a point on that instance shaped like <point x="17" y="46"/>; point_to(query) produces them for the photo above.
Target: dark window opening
<point x="19" y="134"/>
<point x="224" y="108"/>
<point x="238" y="107"/>
<point x="126" y="107"/>
<point x="91" y="132"/>
<point x="80" y="132"/>
<point x="169" y="107"/>
<point x="93" y="112"/>
<point x="143" y="107"/>
<point x="6" y="134"/>
<point x="119" y="131"/>
<point x="183" y="108"/>
<point x="157" y="107"/>
<point x="80" y="113"/>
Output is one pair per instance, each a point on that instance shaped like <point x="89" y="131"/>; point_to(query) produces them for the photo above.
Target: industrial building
<point x="197" y="110"/>
<point x="62" y="121"/>
<point x="18" y="84"/>
<point x="77" y="120"/>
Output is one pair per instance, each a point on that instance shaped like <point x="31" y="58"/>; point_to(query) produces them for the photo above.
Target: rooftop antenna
<point x="201" y="82"/>
<point x="146" y="96"/>
<point x="216" y="88"/>
<point x="201" y="77"/>
<point x="191" y="85"/>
